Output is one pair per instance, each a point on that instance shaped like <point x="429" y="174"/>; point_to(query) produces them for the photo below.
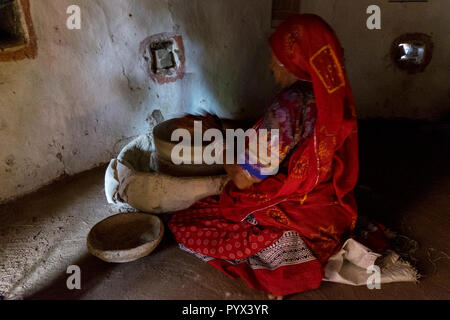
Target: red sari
<point x="278" y="234"/>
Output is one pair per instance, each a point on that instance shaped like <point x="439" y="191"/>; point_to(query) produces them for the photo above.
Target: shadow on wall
<point x="401" y="161"/>
<point x="232" y="54"/>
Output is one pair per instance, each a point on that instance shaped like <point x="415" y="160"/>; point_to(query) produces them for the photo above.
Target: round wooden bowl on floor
<point x="125" y="237"/>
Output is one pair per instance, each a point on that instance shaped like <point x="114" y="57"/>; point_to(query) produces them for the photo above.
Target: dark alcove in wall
<point x="17" y="38"/>
<point x="11" y="30"/>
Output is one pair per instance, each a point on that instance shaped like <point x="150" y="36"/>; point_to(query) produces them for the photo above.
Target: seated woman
<point x="276" y="232"/>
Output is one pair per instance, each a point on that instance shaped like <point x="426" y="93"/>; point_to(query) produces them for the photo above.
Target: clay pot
<point x="125" y="237"/>
<point x="162" y="135"/>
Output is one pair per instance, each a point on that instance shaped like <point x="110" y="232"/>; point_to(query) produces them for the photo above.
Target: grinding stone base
<point x="132" y="180"/>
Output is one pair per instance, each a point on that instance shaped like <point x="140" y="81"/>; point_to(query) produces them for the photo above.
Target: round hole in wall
<point x="412" y="52"/>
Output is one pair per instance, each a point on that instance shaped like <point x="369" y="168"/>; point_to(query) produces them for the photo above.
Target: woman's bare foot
<point x="272" y="297"/>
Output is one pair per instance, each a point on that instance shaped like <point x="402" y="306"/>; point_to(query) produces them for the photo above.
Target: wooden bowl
<point x="125" y="237"/>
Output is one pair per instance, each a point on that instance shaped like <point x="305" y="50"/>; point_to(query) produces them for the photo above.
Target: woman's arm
<point x="241" y="178"/>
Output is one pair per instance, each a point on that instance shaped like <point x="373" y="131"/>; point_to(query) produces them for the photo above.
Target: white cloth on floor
<point x="353" y="265"/>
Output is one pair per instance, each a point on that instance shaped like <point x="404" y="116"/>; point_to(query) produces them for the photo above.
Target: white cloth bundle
<point x="353" y="265"/>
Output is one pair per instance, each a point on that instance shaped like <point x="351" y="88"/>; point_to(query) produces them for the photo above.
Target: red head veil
<point x="309" y="48"/>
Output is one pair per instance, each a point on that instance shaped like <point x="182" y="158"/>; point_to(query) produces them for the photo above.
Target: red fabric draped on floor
<point x="278" y="234"/>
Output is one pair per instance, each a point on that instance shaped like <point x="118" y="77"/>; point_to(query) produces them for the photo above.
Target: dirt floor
<point x="405" y="184"/>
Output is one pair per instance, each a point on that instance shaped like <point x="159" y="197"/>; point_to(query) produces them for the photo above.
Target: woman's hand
<point x="241" y="178"/>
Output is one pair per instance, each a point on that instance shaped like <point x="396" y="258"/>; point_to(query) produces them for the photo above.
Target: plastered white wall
<point x="87" y="94"/>
<point x="380" y="88"/>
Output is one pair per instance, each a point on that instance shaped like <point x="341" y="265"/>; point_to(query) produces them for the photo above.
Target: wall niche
<point x="17" y="37"/>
